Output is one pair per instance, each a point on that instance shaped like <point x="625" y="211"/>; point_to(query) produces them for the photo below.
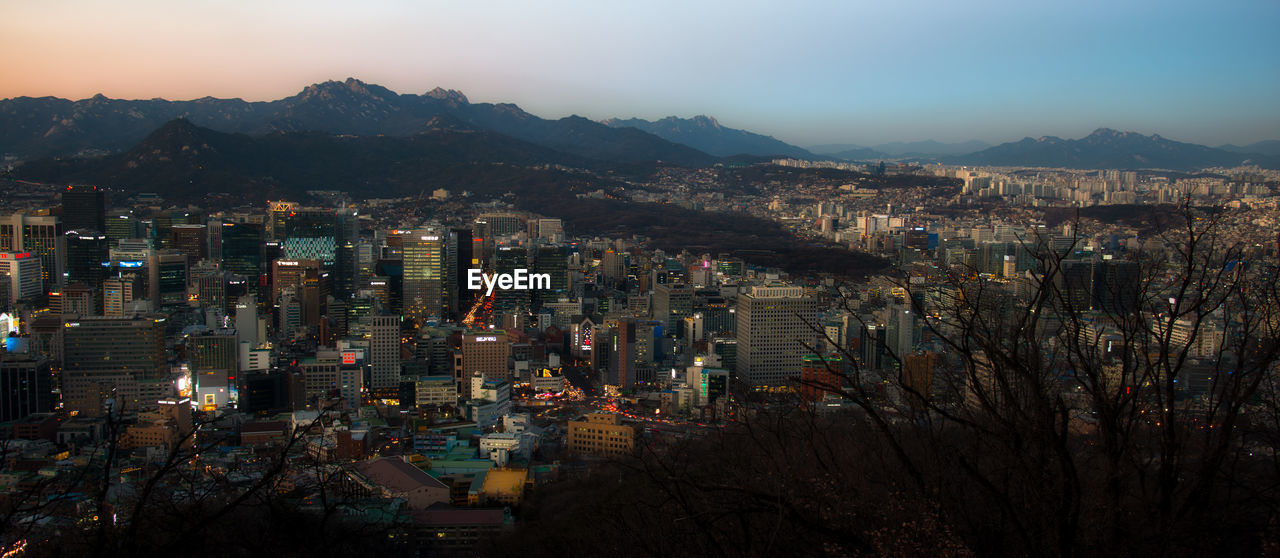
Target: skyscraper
<point x="242" y="251"/>
<point x="117" y="293"/>
<point x="86" y="251"/>
<point x="671" y="304"/>
<point x="26" y="386"/>
<point x="384" y="353"/>
<point x="486" y="353"/>
<point x="41" y="236"/>
<point x="84" y="207"/>
<point x="774" y="326"/>
<point x="459" y="257"/>
<point x="424" y="274"/>
<point x="23" y="270"/>
<point x="113" y="358"/>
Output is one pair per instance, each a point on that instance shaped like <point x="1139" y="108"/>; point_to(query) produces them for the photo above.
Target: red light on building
<point x="348" y="357"/>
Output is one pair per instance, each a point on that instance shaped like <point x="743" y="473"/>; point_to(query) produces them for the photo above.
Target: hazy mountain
<point x="859" y="154"/>
<point x="1107" y="148"/>
<point x="1268" y="147"/>
<point x="930" y="148"/>
<point x="46" y="126"/>
<point x="181" y="160"/>
<point x="828" y="148"/>
<point x="704" y="133"/>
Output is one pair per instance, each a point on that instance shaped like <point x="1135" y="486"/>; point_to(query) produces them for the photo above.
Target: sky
<point x="804" y="72"/>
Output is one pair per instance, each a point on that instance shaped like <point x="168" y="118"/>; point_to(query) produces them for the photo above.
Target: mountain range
<point x="704" y="133"/>
<point x="1110" y="149"/>
<point x="31" y="128"/>
<point x="182" y="160"/>
<point x="48" y="126"/>
<point x="899" y="149"/>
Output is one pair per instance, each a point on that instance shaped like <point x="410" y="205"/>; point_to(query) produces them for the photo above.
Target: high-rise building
<point x="553" y="261"/>
<point x="40" y="236"/>
<point x="384" y="353"/>
<point x="26" y="386"/>
<point x="511" y="301"/>
<point x="291" y="273"/>
<point x="242" y="250"/>
<point x="483" y="352"/>
<point x="84" y="207"/>
<point x="113" y="359"/>
<point x="346" y="264"/>
<point x="168" y="279"/>
<point x="117" y="293"/>
<point x="775" y="331"/>
<point x="671" y="304"/>
<point x="311" y="234"/>
<point x="86" y="250"/>
<point x="459" y="257"/>
<point x="502" y="224"/>
<point x="191" y="240"/>
<point x="279" y="218"/>
<point x="214" y="363"/>
<point x="122" y="224"/>
<point x="23" y="269"/>
<point x="613" y="266"/>
<point x="424" y="274"/>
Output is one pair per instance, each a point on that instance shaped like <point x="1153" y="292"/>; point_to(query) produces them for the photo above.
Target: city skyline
<point x="810" y="74"/>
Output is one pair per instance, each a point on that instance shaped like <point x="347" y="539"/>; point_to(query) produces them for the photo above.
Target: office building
<point x="486" y="353"/>
<point x="84" y="207"/>
<point x="384" y="353"/>
<point x="424" y="274"/>
<point x="40" y="236"/>
<point x="25" y="279"/>
<point x="26" y="386"/>
<point x="117" y="359"/>
<point x="601" y="434"/>
<point x="775" y="331"/>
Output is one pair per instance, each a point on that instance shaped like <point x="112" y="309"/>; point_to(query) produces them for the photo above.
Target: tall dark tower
<point x="86" y="252"/>
<point x="458" y="259"/>
<point x="84" y="207"/>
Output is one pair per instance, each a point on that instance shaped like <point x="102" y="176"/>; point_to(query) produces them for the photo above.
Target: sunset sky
<point x="810" y="72"/>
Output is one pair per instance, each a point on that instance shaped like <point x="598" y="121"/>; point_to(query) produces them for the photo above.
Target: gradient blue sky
<point x="806" y="72"/>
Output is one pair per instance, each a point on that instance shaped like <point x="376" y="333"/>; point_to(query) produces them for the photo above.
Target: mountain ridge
<point x="706" y="134"/>
<point x="50" y="126"/>
<point x="1106" y="148"/>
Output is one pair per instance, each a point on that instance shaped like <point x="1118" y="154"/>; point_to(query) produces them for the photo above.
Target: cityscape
<point x="349" y="320"/>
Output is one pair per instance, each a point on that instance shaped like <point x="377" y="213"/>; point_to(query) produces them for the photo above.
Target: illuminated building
<point x="117" y="293"/>
<point x="511" y="301"/>
<point x="433" y="391"/>
<point x="113" y="358"/>
<point x="40" y="236"/>
<point x="168" y="279"/>
<point x="214" y="357"/>
<point x="601" y="434"/>
<point x="424" y="274"/>
<point x="191" y="240"/>
<point x="613" y="266"/>
<point x="287" y="273"/>
<point x="384" y="353"/>
<point x="25" y="278"/>
<point x="486" y="353"/>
